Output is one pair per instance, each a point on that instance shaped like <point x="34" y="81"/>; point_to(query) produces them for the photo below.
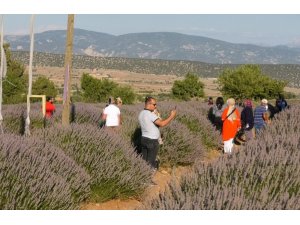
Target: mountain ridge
<point x="156" y="45"/>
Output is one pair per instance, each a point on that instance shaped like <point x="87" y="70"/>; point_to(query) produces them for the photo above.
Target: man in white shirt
<point x="150" y="123"/>
<point x="111" y="114"/>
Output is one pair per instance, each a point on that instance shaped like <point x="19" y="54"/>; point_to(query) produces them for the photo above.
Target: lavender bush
<point x="109" y="158"/>
<point x="86" y="113"/>
<point x="36" y="175"/>
<point x="115" y="169"/>
<point x="194" y="115"/>
<point x="263" y="175"/>
<point x="180" y="146"/>
<point x="15" y="117"/>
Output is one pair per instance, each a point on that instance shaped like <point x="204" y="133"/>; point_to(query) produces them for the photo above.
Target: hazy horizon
<point x="265" y="30"/>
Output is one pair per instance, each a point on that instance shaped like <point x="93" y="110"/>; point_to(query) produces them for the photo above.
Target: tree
<point x="43" y="86"/>
<point x="97" y="90"/>
<point x="126" y="93"/>
<point x="247" y="81"/>
<point x="14" y="85"/>
<point x="188" y="88"/>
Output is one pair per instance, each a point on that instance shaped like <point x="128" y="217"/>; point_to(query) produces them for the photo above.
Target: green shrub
<point x="43" y="86"/>
<point x="247" y="81"/>
<point x="188" y="88"/>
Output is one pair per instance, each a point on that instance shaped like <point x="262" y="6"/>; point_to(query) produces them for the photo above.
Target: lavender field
<point x="61" y="167"/>
<point x="262" y="175"/>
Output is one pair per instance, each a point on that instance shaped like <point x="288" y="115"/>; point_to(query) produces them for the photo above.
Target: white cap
<point x="264" y="101"/>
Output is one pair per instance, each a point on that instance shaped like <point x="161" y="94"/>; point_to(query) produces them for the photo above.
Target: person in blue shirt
<point x="259" y="111"/>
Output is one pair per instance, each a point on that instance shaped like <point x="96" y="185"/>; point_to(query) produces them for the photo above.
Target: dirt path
<point x="161" y="179"/>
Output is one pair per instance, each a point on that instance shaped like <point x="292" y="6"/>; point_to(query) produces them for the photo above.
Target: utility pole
<point x="68" y="76"/>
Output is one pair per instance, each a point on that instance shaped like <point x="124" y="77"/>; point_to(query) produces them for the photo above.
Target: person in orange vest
<point x="50" y="107"/>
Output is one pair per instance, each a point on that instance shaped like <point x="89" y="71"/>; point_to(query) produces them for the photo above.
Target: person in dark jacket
<point x="247" y="119"/>
<point x="281" y="103"/>
<point x="217" y="111"/>
<point x="271" y="109"/>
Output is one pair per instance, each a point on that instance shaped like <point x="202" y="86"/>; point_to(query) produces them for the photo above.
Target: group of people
<point x="225" y="117"/>
<point x="149" y="120"/>
<point x="237" y="127"/>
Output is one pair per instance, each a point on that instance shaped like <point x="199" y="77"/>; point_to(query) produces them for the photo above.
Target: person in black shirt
<point x="247" y="119"/>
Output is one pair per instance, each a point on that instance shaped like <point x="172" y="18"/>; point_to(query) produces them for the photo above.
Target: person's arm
<point x="238" y="119"/>
<point x="120" y="119"/>
<point x="103" y="116"/>
<point x="162" y="123"/>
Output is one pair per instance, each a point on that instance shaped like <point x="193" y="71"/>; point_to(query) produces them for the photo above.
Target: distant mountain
<point x="158" y="45"/>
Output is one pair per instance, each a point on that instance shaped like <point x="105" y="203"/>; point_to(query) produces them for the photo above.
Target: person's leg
<point x="228" y="145"/>
<point x="149" y="150"/>
<point x="145" y="148"/>
<point x="257" y="131"/>
<point x="152" y="154"/>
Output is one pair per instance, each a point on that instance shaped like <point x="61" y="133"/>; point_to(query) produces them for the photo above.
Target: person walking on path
<point x="281" y="103"/>
<point x="259" y="121"/>
<point x="217" y="112"/>
<point x="247" y="119"/>
<point x="150" y="124"/>
<point x="231" y="124"/>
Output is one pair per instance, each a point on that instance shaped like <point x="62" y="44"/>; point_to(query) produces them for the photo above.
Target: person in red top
<point x="231" y="124"/>
<point x="50" y="107"/>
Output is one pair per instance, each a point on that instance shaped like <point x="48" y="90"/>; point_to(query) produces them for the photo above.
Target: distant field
<point x="142" y="83"/>
<point x="288" y="72"/>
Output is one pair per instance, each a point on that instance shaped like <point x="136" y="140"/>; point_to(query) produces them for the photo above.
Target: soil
<point x="161" y="179"/>
<point x="141" y="83"/>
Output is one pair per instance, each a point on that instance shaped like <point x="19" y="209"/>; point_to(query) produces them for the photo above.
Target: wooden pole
<point x="68" y="76"/>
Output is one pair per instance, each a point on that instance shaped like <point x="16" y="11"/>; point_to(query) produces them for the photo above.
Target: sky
<point x="261" y="29"/>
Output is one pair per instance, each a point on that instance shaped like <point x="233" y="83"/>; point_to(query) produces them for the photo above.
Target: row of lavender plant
<point x="263" y="175"/>
<point x="181" y="145"/>
<point x="14" y="117"/>
<point x="115" y="169"/>
<point x="194" y="115"/>
<point x="37" y="175"/>
<point x="86" y="113"/>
